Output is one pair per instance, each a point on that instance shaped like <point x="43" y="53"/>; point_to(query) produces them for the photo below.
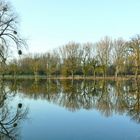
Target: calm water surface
<point x="70" y="110"/>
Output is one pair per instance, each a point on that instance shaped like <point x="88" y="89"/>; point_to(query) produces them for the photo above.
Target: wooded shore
<point x="41" y="77"/>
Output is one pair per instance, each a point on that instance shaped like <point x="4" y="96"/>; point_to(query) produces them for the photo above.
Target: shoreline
<point x="43" y="77"/>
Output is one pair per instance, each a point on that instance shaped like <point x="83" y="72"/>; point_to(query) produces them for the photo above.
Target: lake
<point x="70" y="110"/>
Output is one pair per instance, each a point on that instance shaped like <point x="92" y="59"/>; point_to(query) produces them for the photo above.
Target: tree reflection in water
<point x="109" y="97"/>
<point x="10" y="117"/>
<point x="133" y="101"/>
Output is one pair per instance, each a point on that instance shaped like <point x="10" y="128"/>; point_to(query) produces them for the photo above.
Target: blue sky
<point x="49" y="24"/>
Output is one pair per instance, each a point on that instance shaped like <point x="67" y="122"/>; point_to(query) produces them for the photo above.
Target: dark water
<point x="70" y="110"/>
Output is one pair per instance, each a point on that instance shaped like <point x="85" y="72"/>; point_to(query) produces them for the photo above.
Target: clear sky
<point x="49" y="24"/>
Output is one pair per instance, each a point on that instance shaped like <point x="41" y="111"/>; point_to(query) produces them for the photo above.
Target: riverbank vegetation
<point x="105" y="58"/>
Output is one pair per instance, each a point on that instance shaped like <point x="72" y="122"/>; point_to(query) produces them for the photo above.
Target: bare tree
<point x="118" y="54"/>
<point x="86" y="57"/>
<point x="103" y="52"/>
<point x="70" y="55"/>
<point x="134" y="49"/>
<point x="9" y="37"/>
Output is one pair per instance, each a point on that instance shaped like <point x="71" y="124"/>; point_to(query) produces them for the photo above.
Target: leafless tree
<point x="118" y="55"/>
<point x="134" y="49"/>
<point x="10" y="38"/>
<point x="103" y="51"/>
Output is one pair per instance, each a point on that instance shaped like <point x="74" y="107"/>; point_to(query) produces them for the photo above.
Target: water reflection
<point x="109" y="97"/>
<point x="10" y="116"/>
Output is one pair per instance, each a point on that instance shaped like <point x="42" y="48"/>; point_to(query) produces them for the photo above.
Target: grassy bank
<point x="129" y="77"/>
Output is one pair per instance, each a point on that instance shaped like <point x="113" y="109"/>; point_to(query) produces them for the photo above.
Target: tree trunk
<point x="94" y="74"/>
<point x="116" y="72"/>
<point x="72" y="75"/>
<point x="36" y="78"/>
<point x="136" y="73"/>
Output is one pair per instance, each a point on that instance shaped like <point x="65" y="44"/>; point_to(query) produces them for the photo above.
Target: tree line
<point x="107" y="57"/>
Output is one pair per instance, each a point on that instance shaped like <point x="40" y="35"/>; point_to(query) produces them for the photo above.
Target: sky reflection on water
<point x="102" y="111"/>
